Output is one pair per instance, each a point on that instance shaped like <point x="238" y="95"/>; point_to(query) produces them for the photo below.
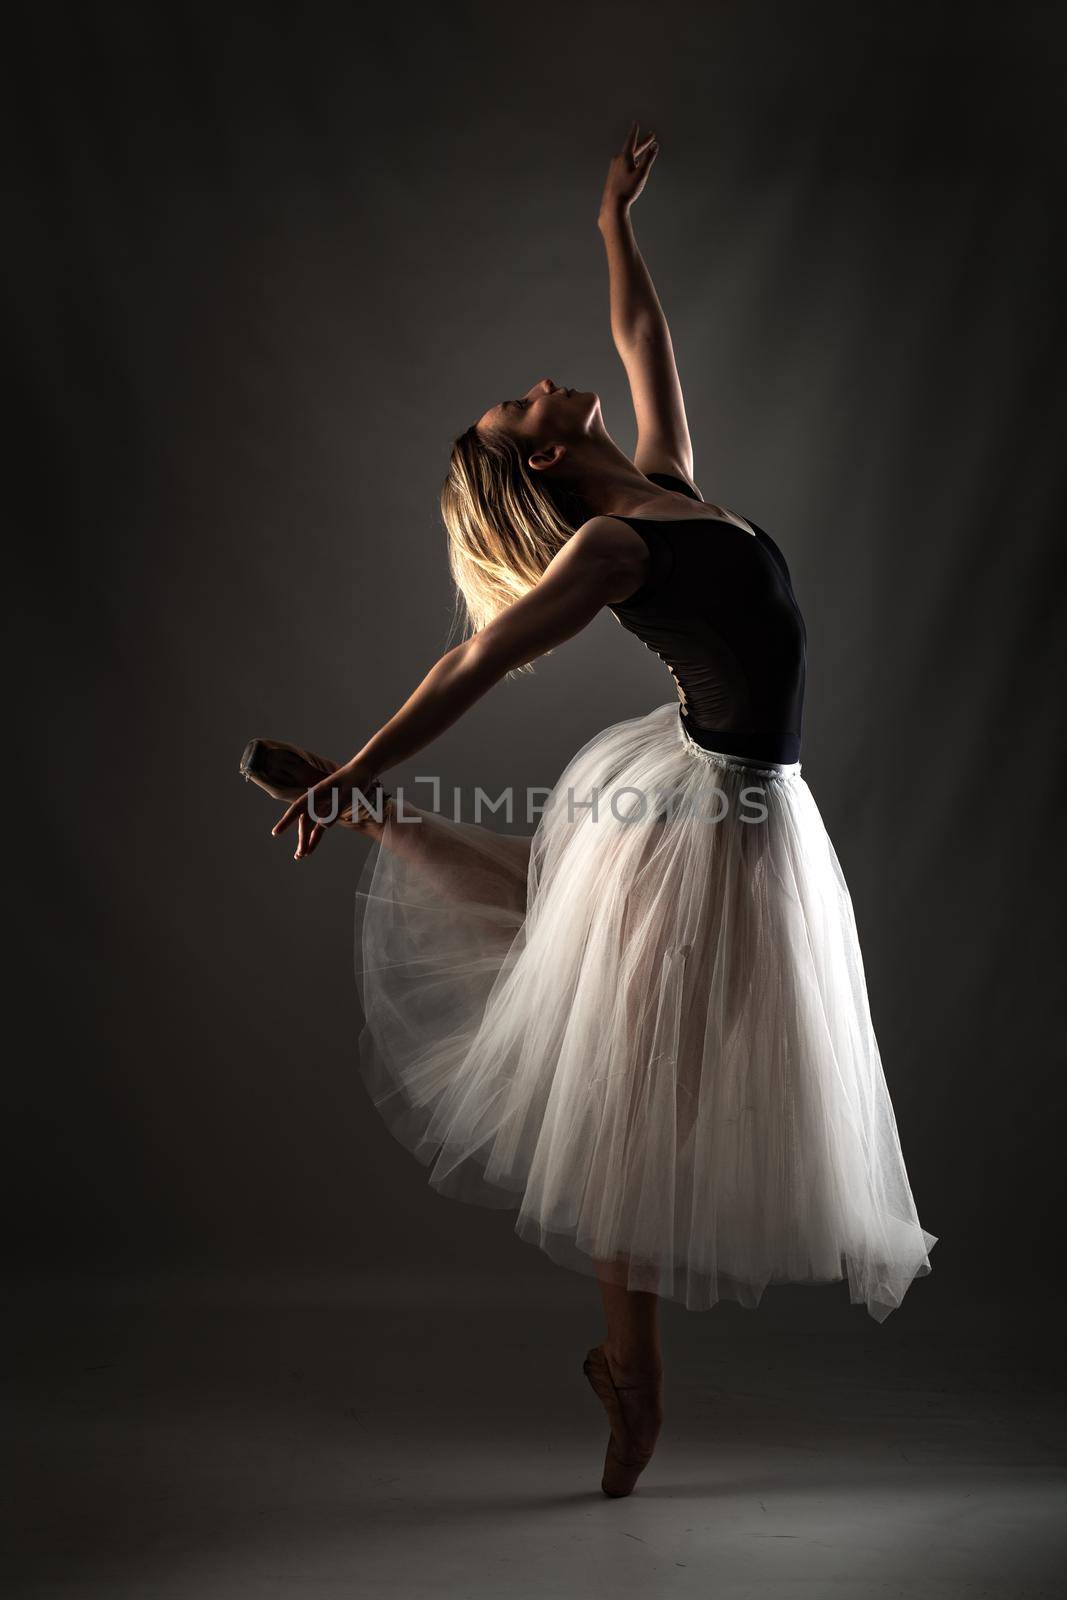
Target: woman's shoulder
<point x="612" y="542"/>
<point x="611" y="539"/>
<point x="674" y="481"/>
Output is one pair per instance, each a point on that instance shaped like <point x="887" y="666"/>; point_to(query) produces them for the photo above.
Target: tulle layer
<point x="646" y="1028"/>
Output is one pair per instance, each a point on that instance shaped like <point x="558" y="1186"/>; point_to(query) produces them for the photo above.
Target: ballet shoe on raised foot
<point x="635" y="1412"/>
<point x="285" y="772"/>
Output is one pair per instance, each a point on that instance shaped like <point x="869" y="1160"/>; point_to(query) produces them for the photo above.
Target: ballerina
<point x="645" y="1026"/>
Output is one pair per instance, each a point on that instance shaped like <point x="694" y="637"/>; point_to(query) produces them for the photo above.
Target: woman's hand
<point x="330" y="801"/>
<point x="628" y="173"/>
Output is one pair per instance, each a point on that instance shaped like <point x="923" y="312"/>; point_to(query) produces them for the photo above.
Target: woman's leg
<point x="633" y="1342"/>
<point x="626" y="1373"/>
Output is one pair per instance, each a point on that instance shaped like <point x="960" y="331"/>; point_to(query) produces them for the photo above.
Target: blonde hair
<point x="504" y="524"/>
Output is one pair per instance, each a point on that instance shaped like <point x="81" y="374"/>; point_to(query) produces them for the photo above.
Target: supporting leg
<point x="633" y="1342"/>
<point x="626" y="1374"/>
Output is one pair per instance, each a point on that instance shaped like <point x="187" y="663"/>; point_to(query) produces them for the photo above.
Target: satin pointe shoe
<point x="285" y="772"/>
<point x="635" y="1413"/>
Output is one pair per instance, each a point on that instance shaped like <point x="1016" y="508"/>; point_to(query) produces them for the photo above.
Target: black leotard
<point x="718" y="607"/>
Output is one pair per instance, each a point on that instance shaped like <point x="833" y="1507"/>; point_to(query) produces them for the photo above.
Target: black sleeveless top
<point x="718" y="607"/>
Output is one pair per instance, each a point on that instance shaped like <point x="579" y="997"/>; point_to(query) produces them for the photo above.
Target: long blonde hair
<point x="504" y="524"/>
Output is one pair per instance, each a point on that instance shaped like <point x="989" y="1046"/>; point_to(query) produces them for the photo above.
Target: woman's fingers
<point x="309" y="834"/>
<point x="288" y="817"/>
<point x="315" y="834"/>
<point x="636" y="146"/>
<point x="323" y="800"/>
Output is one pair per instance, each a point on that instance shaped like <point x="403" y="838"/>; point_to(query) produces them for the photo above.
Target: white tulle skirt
<point x="646" y="1027"/>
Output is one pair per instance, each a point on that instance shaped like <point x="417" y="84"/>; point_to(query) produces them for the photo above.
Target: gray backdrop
<point x="266" y="264"/>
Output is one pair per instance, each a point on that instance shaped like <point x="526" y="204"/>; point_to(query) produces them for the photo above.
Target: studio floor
<point x="216" y="1436"/>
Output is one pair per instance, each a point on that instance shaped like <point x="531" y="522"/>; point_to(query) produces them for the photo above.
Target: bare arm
<point x="581" y="579"/>
<point x="638" y="324"/>
<point x="600" y="564"/>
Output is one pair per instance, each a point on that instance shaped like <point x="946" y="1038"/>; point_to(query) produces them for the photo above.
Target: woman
<point x="646" y="1027"/>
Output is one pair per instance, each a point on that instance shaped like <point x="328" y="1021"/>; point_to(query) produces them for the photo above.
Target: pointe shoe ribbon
<point x="623" y="1460"/>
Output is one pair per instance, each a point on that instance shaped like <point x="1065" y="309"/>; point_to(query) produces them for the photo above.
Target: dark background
<point x="264" y="265"/>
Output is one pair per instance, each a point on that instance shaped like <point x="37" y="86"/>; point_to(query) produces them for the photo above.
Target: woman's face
<point x="545" y="413"/>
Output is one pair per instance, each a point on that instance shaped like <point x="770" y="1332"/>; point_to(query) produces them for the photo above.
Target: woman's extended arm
<point x="638" y="325"/>
<point x="600" y="564"/>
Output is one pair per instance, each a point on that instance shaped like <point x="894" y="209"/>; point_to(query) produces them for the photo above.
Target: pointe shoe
<point x="285" y="772"/>
<point x="624" y="1459"/>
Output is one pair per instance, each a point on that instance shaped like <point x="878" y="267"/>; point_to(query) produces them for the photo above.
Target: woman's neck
<point x="605" y="478"/>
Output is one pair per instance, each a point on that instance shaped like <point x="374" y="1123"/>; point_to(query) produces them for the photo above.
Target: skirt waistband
<point x="734" y="763"/>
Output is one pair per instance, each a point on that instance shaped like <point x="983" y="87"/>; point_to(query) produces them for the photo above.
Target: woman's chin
<point x="591" y="418"/>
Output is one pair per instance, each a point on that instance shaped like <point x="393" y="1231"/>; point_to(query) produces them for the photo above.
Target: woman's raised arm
<point x="638" y="324"/>
<point x="602" y="563"/>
